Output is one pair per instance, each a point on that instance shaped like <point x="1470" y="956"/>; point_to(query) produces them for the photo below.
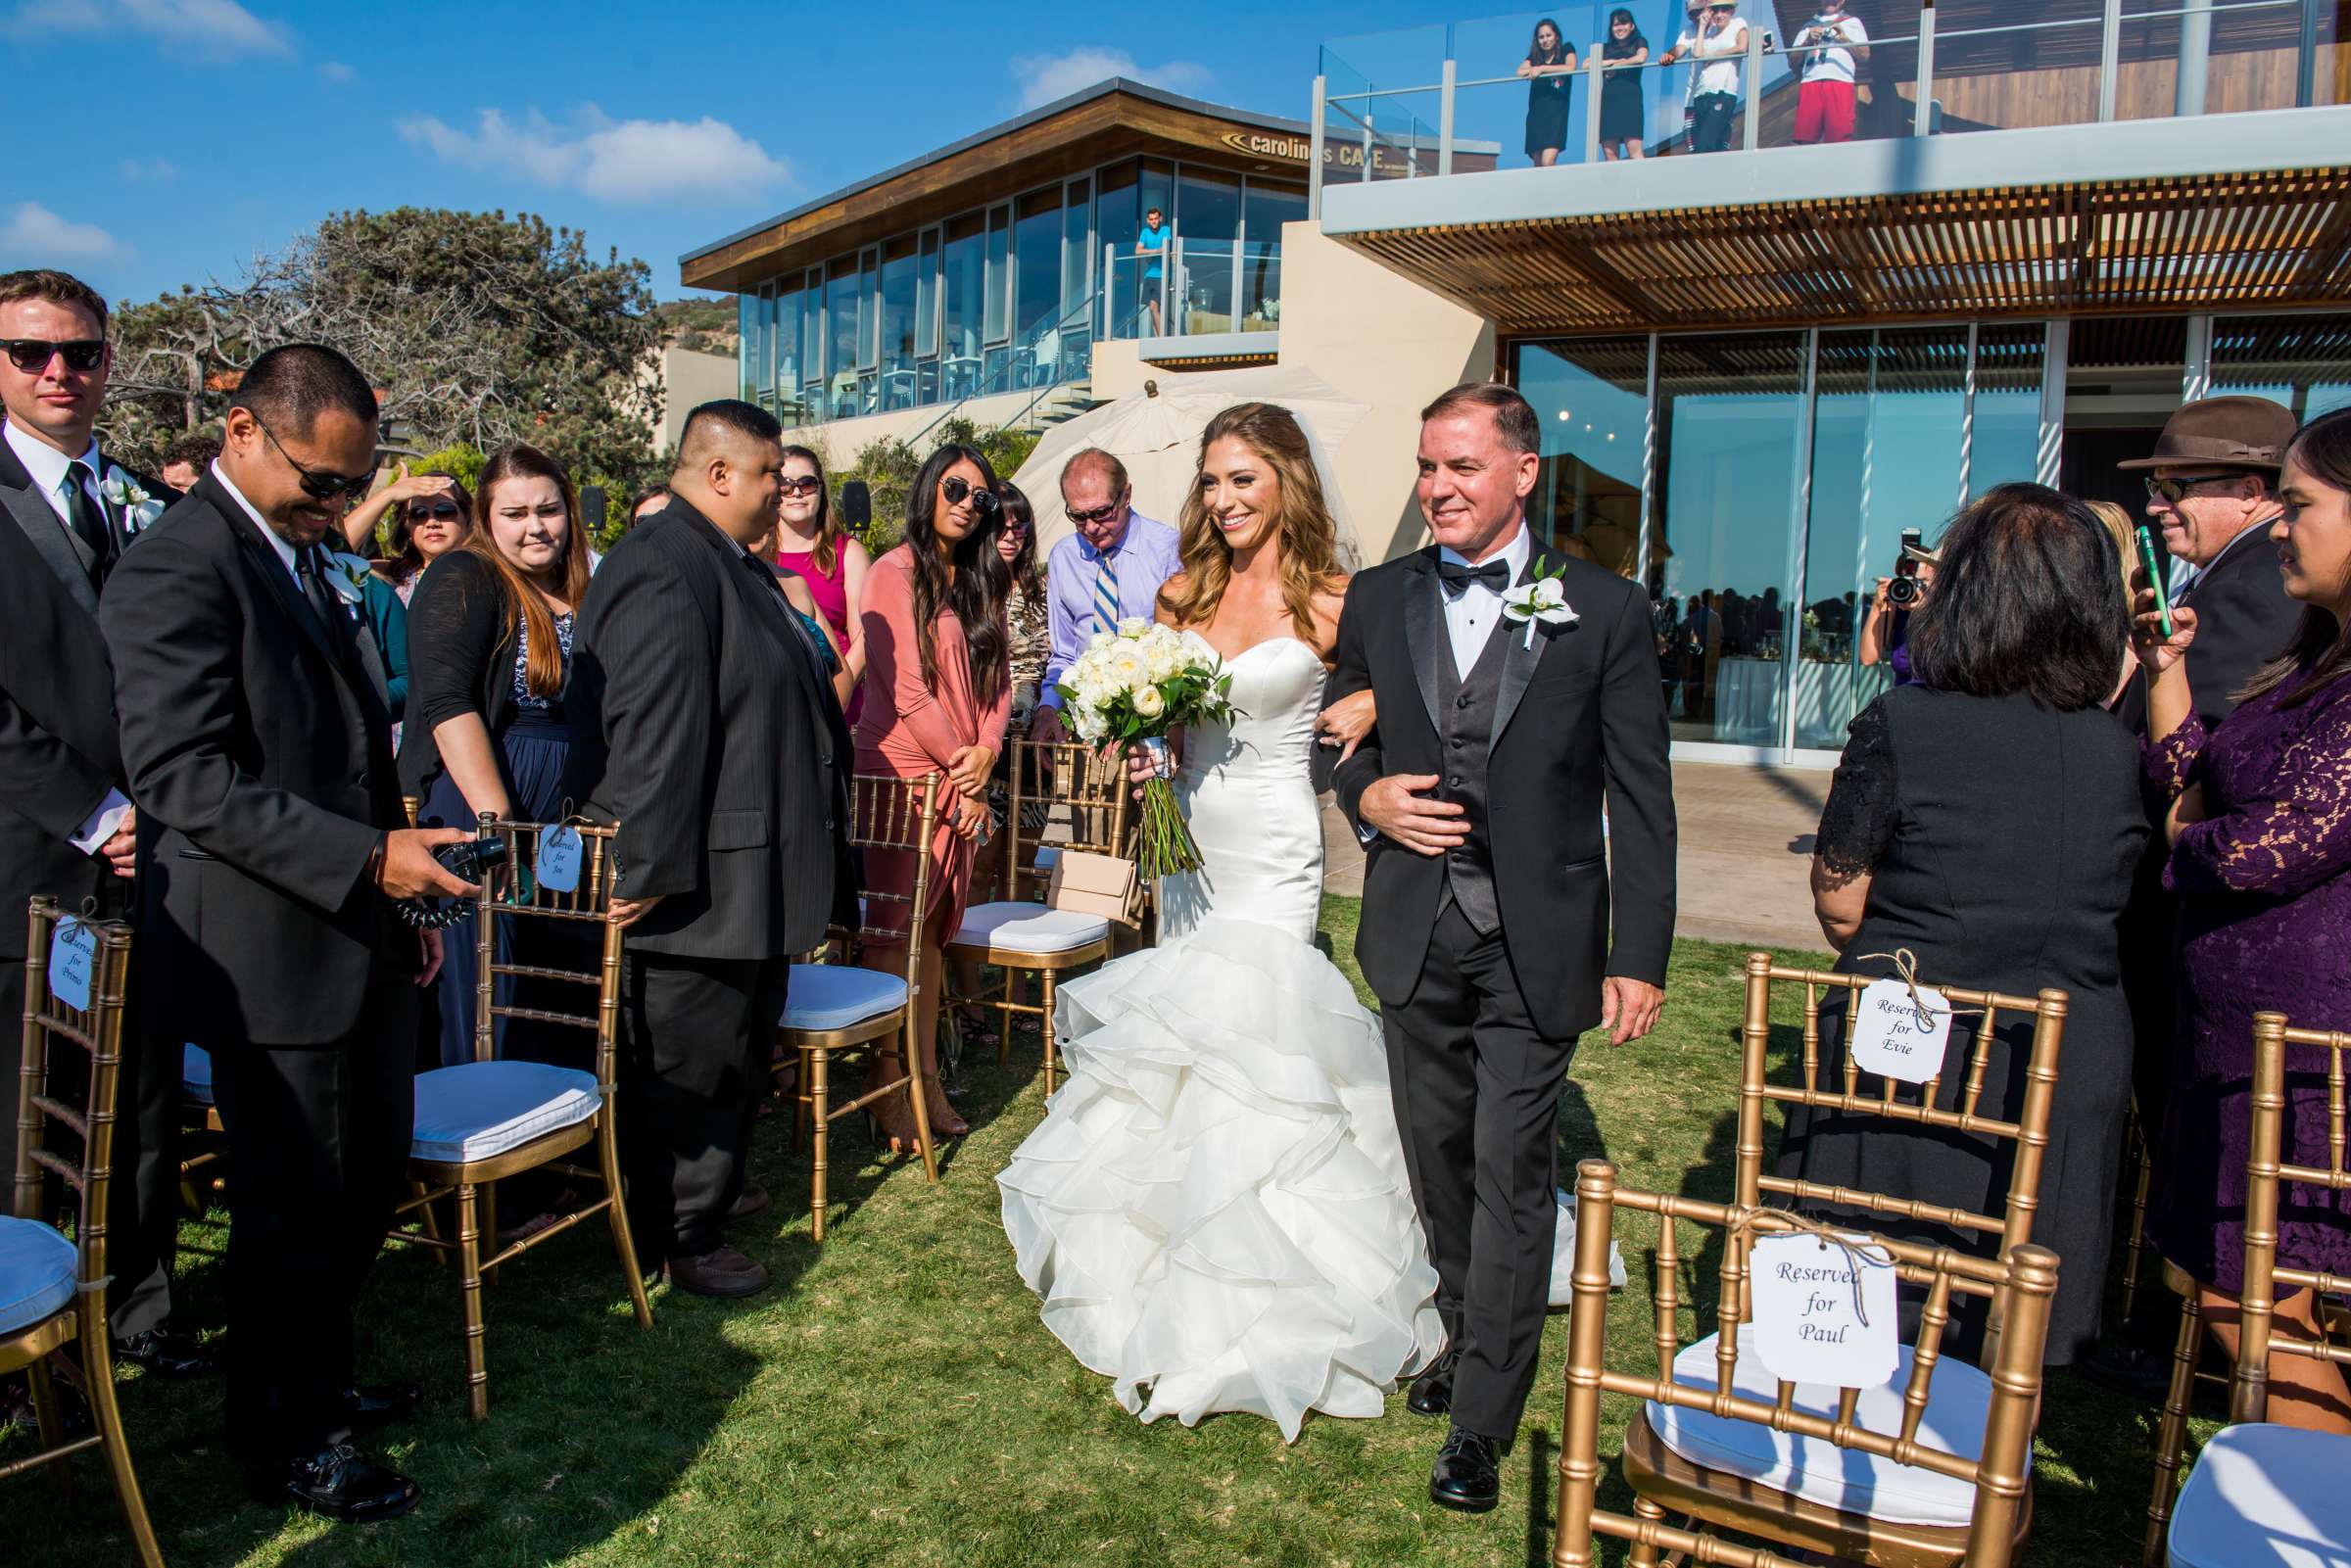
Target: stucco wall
<point x="839" y="441"/>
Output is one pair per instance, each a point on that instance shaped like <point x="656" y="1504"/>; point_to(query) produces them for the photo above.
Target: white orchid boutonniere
<point x="128" y="497"/>
<point x="349" y="575"/>
<point x="1540" y="601"/>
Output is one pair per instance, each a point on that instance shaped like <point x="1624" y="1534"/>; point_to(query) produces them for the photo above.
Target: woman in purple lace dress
<point x="2261" y="859"/>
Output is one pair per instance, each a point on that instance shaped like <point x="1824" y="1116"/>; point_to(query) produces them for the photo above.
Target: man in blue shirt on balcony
<point x="1150" y="246"/>
<point x="1110" y="570"/>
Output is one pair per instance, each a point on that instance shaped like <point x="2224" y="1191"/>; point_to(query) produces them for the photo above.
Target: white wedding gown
<point x="1215" y="1208"/>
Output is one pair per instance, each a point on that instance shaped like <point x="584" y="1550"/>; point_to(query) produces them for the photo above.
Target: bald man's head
<point x="729" y="460"/>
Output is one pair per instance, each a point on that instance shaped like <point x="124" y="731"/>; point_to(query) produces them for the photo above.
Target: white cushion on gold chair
<point x="2266" y="1497"/>
<point x="477" y="1110"/>
<point x="36" y="1274"/>
<point x="196" y="1074"/>
<point x="1815" y="1469"/>
<point x="833" y="996"/>
<point x="1018" y="927"/>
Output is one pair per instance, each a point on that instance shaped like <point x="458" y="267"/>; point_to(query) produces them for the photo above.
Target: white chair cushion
<point x="1847" y="1479"/>
<point x="1030" y="928"/>
<point x="833" y="996"/>
<point x="196" y="1074"/>
<point x="477" y="1110"/>
<point x="36" y="1274"/>
<point x="2266" y="1497"/>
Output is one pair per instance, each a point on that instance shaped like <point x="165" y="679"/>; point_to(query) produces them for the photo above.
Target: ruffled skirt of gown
<point x="1214" y="1209"/>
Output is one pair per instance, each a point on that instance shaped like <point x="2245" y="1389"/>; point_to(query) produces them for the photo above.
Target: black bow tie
<point x="1456" y="578"/>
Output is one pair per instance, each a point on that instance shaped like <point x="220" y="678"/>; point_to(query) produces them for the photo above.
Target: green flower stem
<point x="1168" y="848"/>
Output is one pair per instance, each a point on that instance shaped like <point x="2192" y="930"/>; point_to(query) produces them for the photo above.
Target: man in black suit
<point x="66" y="822"/>
<point x="1486" y="888"/>
<point x="703" y="726"/>
<point x="270" y="848"/>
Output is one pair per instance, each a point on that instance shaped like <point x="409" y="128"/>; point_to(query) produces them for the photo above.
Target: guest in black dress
<point x="1987" y="819"/>
<point x="1549" y="66"/>
<point x="490" y="645"/>
<point x="1623" y="110"/>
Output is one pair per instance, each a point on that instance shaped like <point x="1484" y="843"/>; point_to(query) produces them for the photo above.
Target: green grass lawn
<point x="896" y="1401"/>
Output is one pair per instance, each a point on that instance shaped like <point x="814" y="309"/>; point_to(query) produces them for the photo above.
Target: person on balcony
<point x="1624" y="112"/>
<point x="1550" y="69"/>
<point x="1831" y="45"/>
<point x="1150" y="252"/>
<point x="1716" y="38"/>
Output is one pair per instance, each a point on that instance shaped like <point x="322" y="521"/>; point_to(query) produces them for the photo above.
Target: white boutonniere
<point x="349" y="575"/>
<point x="1539" y="602"/>
<point x="128" y="497"/>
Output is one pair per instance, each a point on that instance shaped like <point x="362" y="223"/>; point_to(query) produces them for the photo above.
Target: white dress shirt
<point x="1472" y="614"/>
<point x="49" y="468"/>
<point x="285" y="552"/>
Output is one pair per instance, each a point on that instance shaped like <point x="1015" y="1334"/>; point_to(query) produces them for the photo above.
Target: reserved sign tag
<point x="73" y="959"/>
<point x="1899" y="1036"/>
<point x="1824" y="1314"/>
<point x="558" y="864"/>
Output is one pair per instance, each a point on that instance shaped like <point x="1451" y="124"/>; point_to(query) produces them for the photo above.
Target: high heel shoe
<point x="944" y="1122"/>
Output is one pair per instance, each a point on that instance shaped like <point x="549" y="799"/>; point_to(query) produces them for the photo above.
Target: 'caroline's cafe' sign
<point x="1344" y="154"/>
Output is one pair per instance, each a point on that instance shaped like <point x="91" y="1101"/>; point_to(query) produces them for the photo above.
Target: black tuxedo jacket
<point x="59" y="754"/>
<point x="701" y="726"/>
<point x="1581" y="715"/>
<point x="260" y="757"/>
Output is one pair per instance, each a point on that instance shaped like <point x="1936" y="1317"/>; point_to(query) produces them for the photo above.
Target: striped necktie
<point x="1106" y="593"/>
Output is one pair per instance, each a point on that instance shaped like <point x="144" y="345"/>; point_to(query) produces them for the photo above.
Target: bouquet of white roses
<point x="1133" y="687"/>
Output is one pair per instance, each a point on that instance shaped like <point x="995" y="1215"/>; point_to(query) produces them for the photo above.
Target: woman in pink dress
<point x="937" y="698"/>
<point x="825" y="556"/>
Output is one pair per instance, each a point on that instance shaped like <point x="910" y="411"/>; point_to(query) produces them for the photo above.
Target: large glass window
<point x="869" y="315"/>
<point x="2303" y="362"/>
<point x="841" y="337"/>
<point x="1036" y="262"/>
<point x="1592" y="398"/>
<point x="751" y="314"/>
<point x="997" y="322"/>
<point x="1266" y="206"/>
<point x="898" y="315"/>
<point x="1207" y="225"/>
<point x="812" y="340"/>
<point x="786" y="355"/>
<point x="962" y="287"/>
<point x="1076" y="243"/>
<point x="1136" y="286"/>
<point x="2005" y="430"/>
<point x="926" y="297"/>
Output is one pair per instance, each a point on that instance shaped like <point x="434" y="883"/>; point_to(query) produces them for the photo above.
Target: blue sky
<point x="170" y="141"/>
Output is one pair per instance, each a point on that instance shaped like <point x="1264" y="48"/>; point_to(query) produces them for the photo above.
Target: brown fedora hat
<point x="2234" y="432"/>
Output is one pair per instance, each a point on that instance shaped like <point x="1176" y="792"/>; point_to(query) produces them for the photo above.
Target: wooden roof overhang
<point x="1100" y="126"/>
<point x="2253" y="238"/>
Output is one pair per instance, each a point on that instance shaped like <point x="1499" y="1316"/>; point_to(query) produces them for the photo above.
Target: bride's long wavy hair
<point x="1302" y="530"/>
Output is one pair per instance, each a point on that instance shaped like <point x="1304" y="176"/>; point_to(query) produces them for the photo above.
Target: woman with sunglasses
<point x="938" y="699"/>
<point x="827" y="557"/>
<point x="431" y="514"/>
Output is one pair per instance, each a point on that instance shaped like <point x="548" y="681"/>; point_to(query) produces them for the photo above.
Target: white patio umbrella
<point x="1156" y="434"/>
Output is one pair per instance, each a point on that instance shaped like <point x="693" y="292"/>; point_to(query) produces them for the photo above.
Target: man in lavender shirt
<point x="1107" y="571"/>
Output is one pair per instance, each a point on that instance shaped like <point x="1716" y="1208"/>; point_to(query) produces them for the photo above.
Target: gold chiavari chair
<point x="1962" y="1488"/>
<point x="832" y="1009"/>
<point x="481" y="1121"/>
<point x="2263" y="1492"/>
<point x="1020" y="934"/>
<point x="53" y="1291"/>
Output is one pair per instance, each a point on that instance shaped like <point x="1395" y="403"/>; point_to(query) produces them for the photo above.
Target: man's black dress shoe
<point x="1432" y="1390"/>
<point x="722" y="1272"/>
<point x="1467" y="1474"/>
<point x="373" y="1405"/>
<point x="165" y="1351"/>
<point x="337" y="1483"/>
<point x="16" y="1412"/>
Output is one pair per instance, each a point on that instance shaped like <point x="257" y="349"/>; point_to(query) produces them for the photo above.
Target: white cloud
<point x="1047" y="78"/>
<point x="34" y="236"/>
<point x="216" y="30"/>
<point x="158" y="169"/>
<point x="614" y="160"/>
<point x="336" y="71"/>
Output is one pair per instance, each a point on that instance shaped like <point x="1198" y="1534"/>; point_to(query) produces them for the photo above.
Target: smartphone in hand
<point x="2151" y="564"/>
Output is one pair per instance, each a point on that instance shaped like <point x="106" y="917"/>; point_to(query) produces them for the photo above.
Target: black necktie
<point x="1456" y="578"/>
<point x="322" y="600"/>
<point x="83" y="516"/>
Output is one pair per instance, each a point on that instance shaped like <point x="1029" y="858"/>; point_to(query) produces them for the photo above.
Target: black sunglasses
<point x="1100" y="514"/>
<point x="2174" y="489"/>
<point x="955" y="488"/>
<point x="314" y="484"/>
<point x="419" y="511"/>
<point x="32" y="355"/>
<point x="805" y="485"/>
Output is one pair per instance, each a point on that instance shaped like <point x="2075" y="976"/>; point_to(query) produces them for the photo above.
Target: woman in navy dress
<point x="2261" y="859"/>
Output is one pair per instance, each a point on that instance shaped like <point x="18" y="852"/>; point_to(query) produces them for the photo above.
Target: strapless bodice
<point x="1276" y="692"/>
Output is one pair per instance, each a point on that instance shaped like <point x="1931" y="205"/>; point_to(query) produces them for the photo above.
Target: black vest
<point x="1464" y="734"/>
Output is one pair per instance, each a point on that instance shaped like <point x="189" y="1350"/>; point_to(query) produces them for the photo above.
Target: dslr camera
<point x="1906" y="590"/>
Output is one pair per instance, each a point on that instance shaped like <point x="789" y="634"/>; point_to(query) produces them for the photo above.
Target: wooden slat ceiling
<point x="2240" y="241"/>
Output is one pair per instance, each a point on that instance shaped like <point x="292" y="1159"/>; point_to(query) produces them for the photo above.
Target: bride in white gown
<point x="1214" y="1209"/>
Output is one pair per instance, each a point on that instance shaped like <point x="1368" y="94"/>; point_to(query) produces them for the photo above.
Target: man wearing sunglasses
<point x="2212" y="494"/>
<point x="273" y="847"/>
<point x="1110" y="570"/>
<point x="66" y="822"/>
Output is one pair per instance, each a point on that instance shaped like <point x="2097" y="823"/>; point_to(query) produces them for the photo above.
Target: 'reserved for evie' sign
<point x="1824" y="1311"/>
<point x="1900" y="1031"/>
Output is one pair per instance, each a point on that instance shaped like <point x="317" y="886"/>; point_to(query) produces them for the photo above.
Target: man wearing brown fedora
<point x="2212" y="492"/>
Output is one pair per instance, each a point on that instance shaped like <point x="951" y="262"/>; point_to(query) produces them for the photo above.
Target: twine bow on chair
<point x="1905" y="970"/>
<point x="1856" y="1253"/>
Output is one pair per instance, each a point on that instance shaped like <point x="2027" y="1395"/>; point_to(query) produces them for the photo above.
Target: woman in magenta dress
<point x="2261" y="858"/>
<point x="827" y="557"/>
<point x="937" y="698"/>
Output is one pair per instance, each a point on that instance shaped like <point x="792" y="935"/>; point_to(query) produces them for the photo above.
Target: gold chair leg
<point x="430" y="1223"/>
<point x="488" y="1240"/>
<point x="799" y="1103"/>
<point x="920" y="1102"/>
<point x="1643" y="1554"/>
<point x="1004" y="1014"/>
<point x="99" y="1373"/>
<point x="469" y="1286"/>
<point x="2135" y="1252"/>
<point x="2170" y="1436"/>
<point x="817" y="1064"/>
<point x="1045" y="1000"/>
<point x="53" y="1430"/>
<point x="624" y="1242"/>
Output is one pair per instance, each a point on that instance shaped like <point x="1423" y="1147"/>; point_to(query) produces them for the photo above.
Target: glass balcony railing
<point x="1191" y="288"/>
<point x="1501" y="92"/>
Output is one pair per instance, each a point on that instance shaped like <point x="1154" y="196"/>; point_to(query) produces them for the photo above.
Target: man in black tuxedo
<point x="272" y="843"/>
<point x="1486" y="888"/>
<point x="703" y="726"/>
<point x="66" y="822"/>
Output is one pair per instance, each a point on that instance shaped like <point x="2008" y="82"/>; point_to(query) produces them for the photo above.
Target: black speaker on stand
<point x="856" y="507"/>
